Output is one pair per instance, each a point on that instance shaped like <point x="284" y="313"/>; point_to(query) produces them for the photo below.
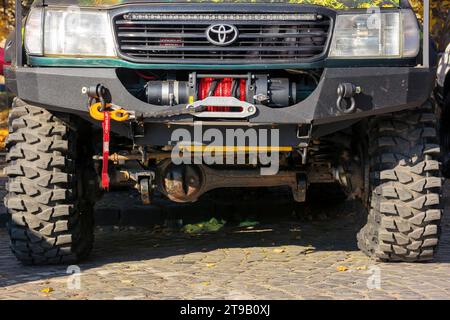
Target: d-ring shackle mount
<point x="347" y="91"/>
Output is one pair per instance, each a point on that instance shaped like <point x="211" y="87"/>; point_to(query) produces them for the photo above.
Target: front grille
<point x="270" y="38"/>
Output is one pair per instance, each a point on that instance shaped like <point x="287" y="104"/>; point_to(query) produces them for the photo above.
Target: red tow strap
<point x="106" y="131"/>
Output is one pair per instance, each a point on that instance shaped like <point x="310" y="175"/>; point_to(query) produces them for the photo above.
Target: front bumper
<point x="384" y="90"/>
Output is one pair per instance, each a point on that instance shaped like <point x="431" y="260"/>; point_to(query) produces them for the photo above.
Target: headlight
<point x="33" y="32"/>
<point x="70" y="32"/>
<point x="378" y="35"/>
<point x="411" y="34"/>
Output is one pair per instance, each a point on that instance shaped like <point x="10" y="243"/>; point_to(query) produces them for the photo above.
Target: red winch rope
<point x="106" y="131"/>
<point x="223" y="89"/>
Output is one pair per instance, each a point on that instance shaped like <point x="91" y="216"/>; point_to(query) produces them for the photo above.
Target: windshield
<point x="334" y="4"/>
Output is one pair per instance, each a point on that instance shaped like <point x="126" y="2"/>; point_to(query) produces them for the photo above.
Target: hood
<point x="334" y="4"/>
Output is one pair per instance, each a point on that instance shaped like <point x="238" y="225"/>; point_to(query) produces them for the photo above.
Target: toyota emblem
<point x="222" y="34"/>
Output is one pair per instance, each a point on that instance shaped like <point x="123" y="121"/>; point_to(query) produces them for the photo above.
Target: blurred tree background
<point x="7" y="16"/>
<point x="440" y="20"/>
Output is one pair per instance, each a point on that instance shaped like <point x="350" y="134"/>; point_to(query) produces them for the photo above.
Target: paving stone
<point x="265" y="262"/>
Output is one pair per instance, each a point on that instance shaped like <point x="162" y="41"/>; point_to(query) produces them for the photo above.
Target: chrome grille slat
<point x="198" y="48"/>
<point x="202" y="35"/>
<point x="258" y="41"/>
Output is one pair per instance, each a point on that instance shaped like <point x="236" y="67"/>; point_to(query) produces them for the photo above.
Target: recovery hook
<point x="347" y="91"/>
<point x="101" y="109"/>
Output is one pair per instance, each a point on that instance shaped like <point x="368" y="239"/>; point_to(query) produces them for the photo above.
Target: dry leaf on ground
<point x="47" y="290"/>
<point x="342" y="268"/>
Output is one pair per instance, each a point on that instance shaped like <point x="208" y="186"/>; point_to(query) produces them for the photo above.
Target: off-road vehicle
<point x="107" y="90"/>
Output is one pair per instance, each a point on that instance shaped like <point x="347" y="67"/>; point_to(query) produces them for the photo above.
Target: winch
<point x="250" y="87"/>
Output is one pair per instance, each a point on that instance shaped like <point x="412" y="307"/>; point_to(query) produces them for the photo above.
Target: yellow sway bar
<point x="118" y="115"/>
<point x="233" y="149"/>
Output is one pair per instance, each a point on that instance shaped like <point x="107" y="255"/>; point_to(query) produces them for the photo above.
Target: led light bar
<point x="221" y="17"/>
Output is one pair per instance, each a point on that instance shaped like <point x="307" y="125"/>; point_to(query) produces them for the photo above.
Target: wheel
<point x="49" y="205"/>
<point x="405" y="187"/>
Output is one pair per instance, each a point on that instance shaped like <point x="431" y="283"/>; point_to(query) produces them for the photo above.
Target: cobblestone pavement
<point x="283" y="257"/>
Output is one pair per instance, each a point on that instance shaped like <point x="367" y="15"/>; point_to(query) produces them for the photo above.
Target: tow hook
<point x="101" y="109"/>
<point x="347" y="91"/>
<point x="100" y="102"/>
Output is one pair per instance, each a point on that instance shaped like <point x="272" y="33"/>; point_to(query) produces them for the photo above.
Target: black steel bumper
<point x="384" y="89"/>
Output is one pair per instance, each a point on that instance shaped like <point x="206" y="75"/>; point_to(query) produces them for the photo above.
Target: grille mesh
<point x="182" y="41"/>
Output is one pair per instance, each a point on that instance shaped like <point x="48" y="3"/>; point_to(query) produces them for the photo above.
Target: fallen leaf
<point x="47" y="290"/>
<point x="279" y="250"/>
<point x="212" y="225"/>
<point x="342" y="268"/>
<point x="308" y="251"/>
<point x="205" y="283"/>
<point x="361" y="268"/>
<point x="248" y="224"/>
<point x="127" y="281"/>
<point x="210" y="265"/>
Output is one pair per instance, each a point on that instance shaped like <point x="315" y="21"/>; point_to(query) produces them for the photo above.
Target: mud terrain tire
<point x="50" y="216"/>
<point x="404" y="208"/>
